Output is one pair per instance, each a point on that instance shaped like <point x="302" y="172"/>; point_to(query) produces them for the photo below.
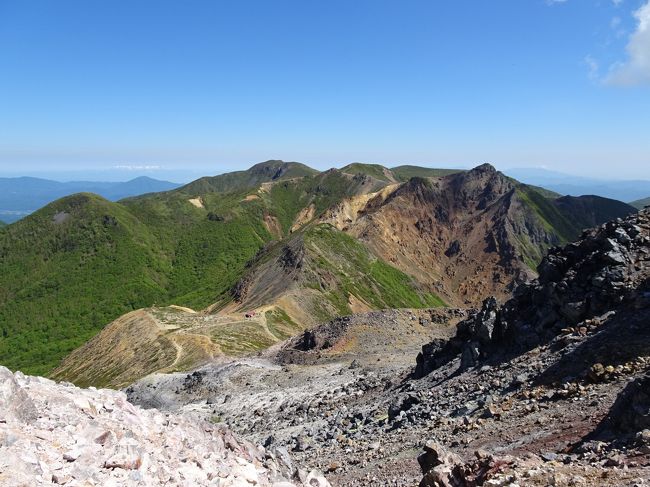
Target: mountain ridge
<point x="190" y="248"/>
<point x="567" y="184"/>
<point x="550" y="386"/>
<point x="642" y="203"/>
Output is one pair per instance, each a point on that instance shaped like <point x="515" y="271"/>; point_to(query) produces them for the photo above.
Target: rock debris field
<point x="57" y="434"/>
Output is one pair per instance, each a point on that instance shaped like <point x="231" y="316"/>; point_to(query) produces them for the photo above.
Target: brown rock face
<point x="595" y="280"/>
<point x="466" y="236"/>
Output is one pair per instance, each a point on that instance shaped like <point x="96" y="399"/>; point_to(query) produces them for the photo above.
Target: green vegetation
<point x="287" y="198"/>
<point x="550" y="216"/>
<point x="251" y="178"/>
<point x="404" y="173"/>
<point x="399" y="173"/>
<point x="77" y="264"/>
<point x="357" y="272"/>
<point x="62" y="282"/>
<point x="280" y="324"/>
<point x="640" y="204"/>
<point x="589" y="210"/>
<point x="241" y="337"/>
<point x="546" y="193"/>
<point x="374" y="170"/>
<point x="80" y="262"/>
<point x="565" y="217"/>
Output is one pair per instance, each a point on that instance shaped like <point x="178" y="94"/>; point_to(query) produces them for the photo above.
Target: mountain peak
<point x="271" y="163"/>
<point x="275" y="169"/>
<point x="485" y="168"/>
<point x="376" y="171"/>
<point x="140" y="179"/>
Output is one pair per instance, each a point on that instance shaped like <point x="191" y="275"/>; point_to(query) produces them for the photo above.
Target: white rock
<point x="57" y="433"/>
<point x="72" y="455"/>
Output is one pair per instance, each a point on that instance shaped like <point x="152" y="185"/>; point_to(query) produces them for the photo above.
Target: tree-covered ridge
<point x="82" y="261"/>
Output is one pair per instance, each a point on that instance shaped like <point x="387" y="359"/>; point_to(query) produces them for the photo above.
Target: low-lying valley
<point x="362" y="326"/>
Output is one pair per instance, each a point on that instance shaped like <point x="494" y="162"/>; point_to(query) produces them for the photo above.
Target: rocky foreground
<point x="55" y="433"/>
<point x="549" y="388"/>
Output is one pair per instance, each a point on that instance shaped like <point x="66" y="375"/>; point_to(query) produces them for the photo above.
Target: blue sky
<point x="211" y="86"/>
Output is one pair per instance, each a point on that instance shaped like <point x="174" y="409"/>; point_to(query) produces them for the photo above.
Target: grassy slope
<point x="589" y="210"/>
<point x="564" y="217"/>
<point x="62" y="283"/>
<point x="555" y="222"/>
<point x="207" y="256"/>
<point x="250" y="178"/>
<point x="546" y="193"/>
<point x="349" y="268"/>
<point x="640" y="204"/>
<point x="374" y="170"/>
<point x="399" y="173"/>
<point x="280" y="324"/>
<point x="550" y="216"/>
<point x="287" y="198"/>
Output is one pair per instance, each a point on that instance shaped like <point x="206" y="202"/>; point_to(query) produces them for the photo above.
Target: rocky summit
<point x="58" y="434"/>
<point x="574" y="348"/>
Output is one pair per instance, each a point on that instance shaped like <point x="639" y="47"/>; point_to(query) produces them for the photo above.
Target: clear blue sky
<point x="213" y="85"/>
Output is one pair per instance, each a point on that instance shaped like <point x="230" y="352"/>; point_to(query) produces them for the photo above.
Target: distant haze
<point x="561" y="182"/>
<point x="21" y="196"/>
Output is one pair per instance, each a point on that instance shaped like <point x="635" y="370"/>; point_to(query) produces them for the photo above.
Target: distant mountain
<point x="262" y="254"/>
<point x="396" y="174"/>
<point x="640" y="204"/>
<point x="21" y="196"/>
<point x="263" y="172"/>
<point x="404" y="173"/>
<point x="565" y="184"/>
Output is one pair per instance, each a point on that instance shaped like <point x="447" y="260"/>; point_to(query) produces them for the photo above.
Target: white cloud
<point x="636" y="69"/>
<point x="593" y="67"/>
<point x="552" y="2"/>
<point x="130" y="167"/>
<point x="615" y="24"/>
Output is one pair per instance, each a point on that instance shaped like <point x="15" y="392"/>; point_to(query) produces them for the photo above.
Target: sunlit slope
<point x="82" y="262"/>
